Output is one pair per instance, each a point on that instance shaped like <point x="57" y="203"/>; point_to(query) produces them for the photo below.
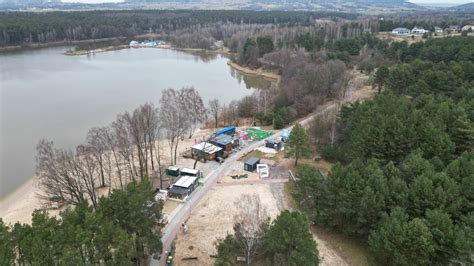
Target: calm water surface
<point x="45" y="94"/>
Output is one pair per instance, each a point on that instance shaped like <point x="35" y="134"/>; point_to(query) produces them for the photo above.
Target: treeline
<point x="415" y="213"/>
<point x="389" y="25"/>
<point x="130" y="149"/>
<point x="313" y="68"/>
<point x="19" y="28"/>
<point x="405" y="178"/>
<point x="122" y="230"/>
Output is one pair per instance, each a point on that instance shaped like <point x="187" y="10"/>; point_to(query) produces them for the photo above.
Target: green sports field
<point x="257" y="134"/>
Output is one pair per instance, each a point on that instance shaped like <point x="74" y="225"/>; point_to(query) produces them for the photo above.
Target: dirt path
<point x="254" y="182"/>
<point x="327" y="255"/>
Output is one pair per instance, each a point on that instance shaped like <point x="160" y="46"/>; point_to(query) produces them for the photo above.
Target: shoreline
<point x="95" y="51"/>
<point x="254" y="72"/>
<point x="20" y="48"/>
<point x="18" y="205"/>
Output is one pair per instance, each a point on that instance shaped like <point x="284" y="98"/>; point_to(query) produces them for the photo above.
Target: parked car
<point x="219" y="159"/>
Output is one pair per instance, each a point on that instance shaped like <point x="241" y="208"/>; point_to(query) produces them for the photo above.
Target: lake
<point x="45" y="94"/>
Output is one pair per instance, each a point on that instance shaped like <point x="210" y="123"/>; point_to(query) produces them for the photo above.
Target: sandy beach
<point x="19" y="204"/>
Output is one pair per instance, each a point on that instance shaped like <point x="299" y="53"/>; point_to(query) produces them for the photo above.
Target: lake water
<point x="45" y="94"/>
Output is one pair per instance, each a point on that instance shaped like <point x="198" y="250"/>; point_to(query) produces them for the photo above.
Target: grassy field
<point x="254" y="153"/>
<point x="325" y="166"/>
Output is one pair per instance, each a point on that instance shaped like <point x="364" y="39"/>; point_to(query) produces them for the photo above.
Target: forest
<point x="121" y="231"/>
<point x="22" y="28"/>
<point x="404" y="179"/>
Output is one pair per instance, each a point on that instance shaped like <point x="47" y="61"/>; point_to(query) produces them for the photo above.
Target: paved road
<point x="171" y="230"/>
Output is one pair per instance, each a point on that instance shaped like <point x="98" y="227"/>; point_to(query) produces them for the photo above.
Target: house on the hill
<point x="419" y="30"/>
<point x="468" y="28"/>
<point x="454" y="28"/>
<point x="401" y="31"/>
<point x="438" y="29"/>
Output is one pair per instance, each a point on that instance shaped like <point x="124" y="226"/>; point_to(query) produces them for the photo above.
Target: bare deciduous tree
<point x="124" y="145"/>
<point x="68" y="175"/>
<point x="250" y="224"/>
<point x="96" y="145"/>
<point x="55" y="175"/>
<point x="171" y="117"/>
<point x="214" y="109"/>
<point x="195" y="109"/>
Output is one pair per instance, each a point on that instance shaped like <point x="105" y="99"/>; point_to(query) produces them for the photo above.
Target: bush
<point x="265" y="119"/>
<point x="278" y="122"/>
<point x="333" y="153"/>
<point x="366" y="67"/>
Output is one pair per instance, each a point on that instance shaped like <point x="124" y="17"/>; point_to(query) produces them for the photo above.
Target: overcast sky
<point x="454" y="2"/>
<point x="451" y="2"/>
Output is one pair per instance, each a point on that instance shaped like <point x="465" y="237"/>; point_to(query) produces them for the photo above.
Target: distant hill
<point x="465" y="7"/>
<point x="284" y="2"/>
<point x="348" y="6"/>
<point x="290" y="4"/>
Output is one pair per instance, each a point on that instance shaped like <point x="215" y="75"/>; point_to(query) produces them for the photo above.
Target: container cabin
<point x="251" y="164"/>
<point x="183" y="187"/>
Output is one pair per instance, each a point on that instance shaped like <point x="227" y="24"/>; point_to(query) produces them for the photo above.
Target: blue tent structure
<point x="285" y="134"/>
<point x="228" y="130"/>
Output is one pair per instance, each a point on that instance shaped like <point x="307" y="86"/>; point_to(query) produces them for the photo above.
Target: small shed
<point x="223" y="141"/>
<point x="172" y="171"/>
<point x="191" y="172"/>
<point x="251" y="164"/>
<point x="228" y="131"/>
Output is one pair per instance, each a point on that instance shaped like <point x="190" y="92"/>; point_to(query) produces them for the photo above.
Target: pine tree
<point x="298" y="143"/>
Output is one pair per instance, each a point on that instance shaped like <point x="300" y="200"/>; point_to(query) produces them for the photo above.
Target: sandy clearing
<point x="213" y="219"/>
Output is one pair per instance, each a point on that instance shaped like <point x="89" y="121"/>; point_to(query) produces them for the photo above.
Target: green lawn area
<point x="254" y="153"/>
<point x="257" y="134"/>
